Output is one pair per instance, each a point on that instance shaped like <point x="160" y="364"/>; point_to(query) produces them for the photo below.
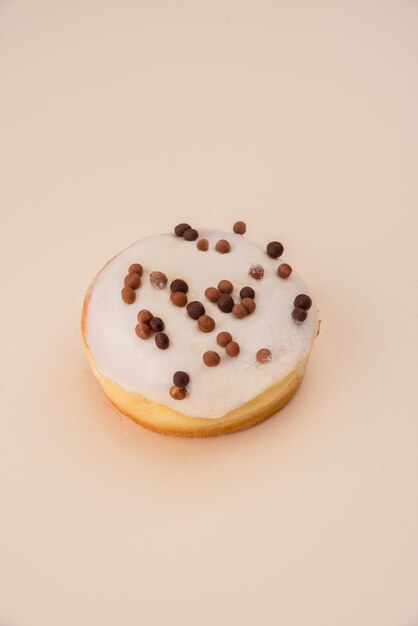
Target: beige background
<point x="119" y="119"/>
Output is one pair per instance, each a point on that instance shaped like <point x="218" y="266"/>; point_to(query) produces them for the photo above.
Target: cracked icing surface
<point x="139" y="366"/>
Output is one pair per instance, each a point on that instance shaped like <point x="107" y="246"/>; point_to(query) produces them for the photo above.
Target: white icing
<point x="139" y="366"/>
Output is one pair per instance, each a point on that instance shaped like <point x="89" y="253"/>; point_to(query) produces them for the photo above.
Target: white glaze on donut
<point x="139" y="366"/>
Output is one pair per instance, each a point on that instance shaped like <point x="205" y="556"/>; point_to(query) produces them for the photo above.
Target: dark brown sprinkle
<point x="247" y="292"/>
<point x="156" y="324"/>
<point x="158" y="280"/>
<point x="179" y="285"/>
<point x="181" y="379"/>
<point x="239" y="228"/>
<point x="225" y="286"/>
<point x="128" y="295"/>
<point x="249" y="304"/>
<point x="162" y="341"/>
<point x="263" y="355"/>
<point x="180" y="229"/>
<point x="275" y="249"/>
<point x="223" y="338"/>
<point x="223" y="246"/>
<point x="211" y="358"/>
<point x="132" y="280"/>
<point x="225" y="303"/>
<point x="178" y="393"/>
<point x="143" y="330"/>
<point x="239" y="310"/>
<point x="190" y="234"/>
<point x="284" y="270"/>
<point x="206" y="323"/>
<point x="212" y="294"/>
<point x="178" y="298"/>
<point x="195" y="309"/>
<point x="299" y="315"/>
<point x="144" y="316"/>
<point x="202" y="245"/>
<point x="232" y="348"/>
<point x="136" y="268"/>
<point x="302" y="301"/>
<point x="319" y="327"/>
<point x="256" y="271"/>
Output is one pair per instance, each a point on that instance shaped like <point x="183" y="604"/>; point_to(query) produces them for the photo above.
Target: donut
<point x="198" y="332"/>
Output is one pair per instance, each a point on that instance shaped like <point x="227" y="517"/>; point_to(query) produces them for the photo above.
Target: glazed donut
<point x="198" y="332"/>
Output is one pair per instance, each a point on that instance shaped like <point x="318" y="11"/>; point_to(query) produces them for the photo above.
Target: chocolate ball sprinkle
<point x="212" y="294"/>
<point x="178" y="393"/>
<point x="181" y="379"/>
<point x="275" y="249"/>
<point x="202" y="245"/>
<point x="232" y="348"/>
<point x="225" y="303"/>
<point x="284" y="270"/>
<point x="179" y="285"/>
<point x="256" y="271"/>
<point x="225" y="286"/>
<point x="239" y="310"/>
<point x="263" y="355"/>
<point x="136" y="268"/>
<point x="144" y="316"/>
<point x="299" y="315"/>
<point x="143" y="330"/>
<point x="132" y="280"/>
<point x="247" y="292"/>
<point x="211" y="358"/>
<point x="156" y="324"/>
<point x="223" y="338"/>
<point x="195" y="309"/>
<point x="158" y="280"/>
<point x="239" y="228"/>
<point x="128" y="295"/>
<point x="190" y="234"/>
<point x="206" y="323"/>
<point x="178" y="298"/>
<point x="162" y="341"/>
<point x="180" y="229"/>
<point x="249" y="304"/>
<point x="223" y="246"/>
<point x="302" y="301"/>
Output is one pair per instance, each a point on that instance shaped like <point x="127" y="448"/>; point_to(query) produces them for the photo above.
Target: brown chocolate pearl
<point x="128" y="295"/>
<point x="249" y="304"/>
<point x="178" y="393"/>
<point x="162" y="341"/>
<point x="136" y="268"/>
<point x="212" y="294"/>
<point x="225" y="286"/>
<point x="143" y="330"/>
<point x="178" y="298"/>
<point x="179" y="285"/>
<point x="263" y="355"/>
<point x="275" y="249"/>
<point x="211" y="358"/>
<point x="232" y="348"/>
<point x="202" y="245"/>
<point x="239" y="228"/>
<point x="132" y="280"/>
<point x="239" y="311"/>
<point x="181" y="379"/>
<point x="247" y="292"/>
<point x="158" y="280"/>
<point x="156" y="324"/>
<point x="223" y="246"/>
<point x="195" y="309"/>
<point x="144" y="316"/>
<point x="225" y="303"/>
<point x="206" y="323"/>
<point x="299" y="315"/>
<point x="302" y="301"/>
<point x="180" y="229"/>
<point x="256" y="271"/>
<point x="223" y="338"/>
<point x="190" y="234"/>
<point x="284" y="270"/>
